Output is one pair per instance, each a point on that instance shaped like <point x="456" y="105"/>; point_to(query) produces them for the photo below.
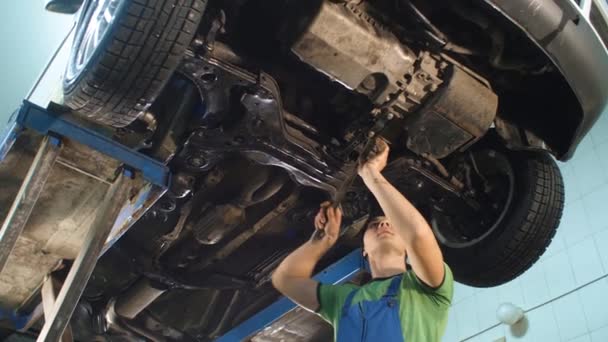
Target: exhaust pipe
<point x="136" y="299"/>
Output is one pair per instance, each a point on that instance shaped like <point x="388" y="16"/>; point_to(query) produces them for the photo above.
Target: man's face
<point x="380" y="234"/>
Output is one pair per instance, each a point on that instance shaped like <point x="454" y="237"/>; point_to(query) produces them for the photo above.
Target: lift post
<point x="27" y="196"/>
<point x="84" y="264"/>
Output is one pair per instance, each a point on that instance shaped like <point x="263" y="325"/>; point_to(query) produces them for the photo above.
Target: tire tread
<point x="533" y="227"/>
<point x="138" y="59"/>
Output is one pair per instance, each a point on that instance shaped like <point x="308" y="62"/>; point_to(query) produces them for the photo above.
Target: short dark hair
<point x="374" y="211"/>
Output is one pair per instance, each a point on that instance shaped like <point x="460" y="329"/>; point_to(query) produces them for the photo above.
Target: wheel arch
<point x="569" y="40"/>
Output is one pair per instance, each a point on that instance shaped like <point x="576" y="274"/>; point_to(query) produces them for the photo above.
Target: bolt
<point x="198" y="42"/>
<point x="208" y="78"/>
<point x="390" y="116"/>
<point x="369" y="83"/>
<point x="196" y="161"/>
<point x="167" y="205"/>
<point x="258" y="123"/>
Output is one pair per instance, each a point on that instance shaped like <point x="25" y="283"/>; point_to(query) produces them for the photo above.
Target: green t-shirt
<point x="423" y="310"/>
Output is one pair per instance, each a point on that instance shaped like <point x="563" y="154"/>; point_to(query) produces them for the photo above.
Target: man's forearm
<point x="302" y="261"/>
<point x="402" y="214"/>
<point x="293" y="277"/>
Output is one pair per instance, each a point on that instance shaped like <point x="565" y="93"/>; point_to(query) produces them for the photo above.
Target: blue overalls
<point x="372" y="320"/>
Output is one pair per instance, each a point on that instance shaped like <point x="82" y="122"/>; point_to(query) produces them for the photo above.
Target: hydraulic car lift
<point x="115" y="209"/>
<point x="116" y="213"/>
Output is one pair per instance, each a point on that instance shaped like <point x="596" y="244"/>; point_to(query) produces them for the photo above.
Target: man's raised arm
<point x="293" y="277"/>
<point x="422" y="248"/>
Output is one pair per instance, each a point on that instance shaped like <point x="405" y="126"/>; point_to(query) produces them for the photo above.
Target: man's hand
<point x="327" y="224"/>
<point x="293" y="277"/>
<point x="377" y="161"/>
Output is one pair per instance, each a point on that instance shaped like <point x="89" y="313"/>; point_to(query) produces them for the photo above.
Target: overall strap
<point x="348" y="302"/>
<point x="393" y="288"/>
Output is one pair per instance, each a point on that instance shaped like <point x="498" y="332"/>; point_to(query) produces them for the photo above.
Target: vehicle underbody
<point x="266" y="116"/>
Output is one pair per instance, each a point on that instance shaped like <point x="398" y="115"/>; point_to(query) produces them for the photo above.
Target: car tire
<point x="115" y="76"/>
<point x="526" y="230"/>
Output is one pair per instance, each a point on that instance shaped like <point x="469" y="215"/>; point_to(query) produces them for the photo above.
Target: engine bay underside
<point x="217" y="236"/>
<point x="266" y="116"/>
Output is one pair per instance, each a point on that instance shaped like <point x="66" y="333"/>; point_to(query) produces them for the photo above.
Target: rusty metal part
<point x="50" y="289"/>
<point x="420" y="185"/>
<point x="167" y="240"/>
<point x="245" y="235"/>
<point x="150" y="121"/>
<point x="133" y="301"/>
<point x="139" y="332"/>
<point x="181" y="185"/>
<point x="345" y="42"/>
<point x="423" y="80"/>
<point x="27" y="196"/>
<point x="224" y="320"/>
<point x="217" y="222"/>
<point x="81" y="269"/>
<point x="296" y="325"/>
<point x="466" y="69"/>
<point x="455" y="117"/>
<point x="262" y="135"/>
<point x="222" y="219"/>
<point x="443" y="171"/>
<point x="519" y="138"/>
<point x="301" y="124"/>
<point x="172" y="127"/>
<point x="127" y="327"/>
<point x="349" y="46"/>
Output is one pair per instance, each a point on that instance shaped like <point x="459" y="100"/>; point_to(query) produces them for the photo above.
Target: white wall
<point x="30" y="36"/>
<point x="566" y="292"/>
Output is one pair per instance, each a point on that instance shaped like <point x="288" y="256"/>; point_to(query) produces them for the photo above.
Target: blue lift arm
<point x="46" y="122"/>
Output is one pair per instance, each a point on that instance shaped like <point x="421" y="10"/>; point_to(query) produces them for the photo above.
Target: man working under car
<point x="397" y="305"/>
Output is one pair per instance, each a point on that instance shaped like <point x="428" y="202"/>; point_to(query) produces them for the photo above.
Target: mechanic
<point x="397" y="304"/>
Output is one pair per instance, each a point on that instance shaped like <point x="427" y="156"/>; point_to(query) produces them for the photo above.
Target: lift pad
<point x="66" y="125"/>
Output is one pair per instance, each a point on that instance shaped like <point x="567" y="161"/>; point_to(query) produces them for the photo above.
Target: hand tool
<point x="369" y="151"/>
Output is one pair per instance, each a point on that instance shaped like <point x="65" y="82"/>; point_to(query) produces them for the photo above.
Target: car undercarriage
<point x="265" y="113"/>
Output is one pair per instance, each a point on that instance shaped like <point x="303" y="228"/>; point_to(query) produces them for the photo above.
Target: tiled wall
<point x="566" y="292"/>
